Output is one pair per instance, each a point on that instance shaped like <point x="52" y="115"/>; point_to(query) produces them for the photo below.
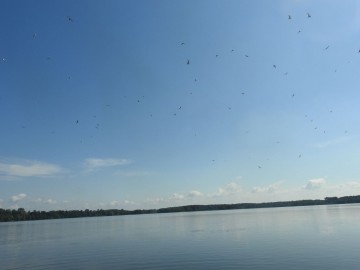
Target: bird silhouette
<point x="308" y="14"/>
<point x="70" y="19"/>
<point x="274" y="66"/>
<point x="289" y="17"/>
<point x="182" y="43"/>
<point x="188" y="62"/>
<point x="327" y="47"/>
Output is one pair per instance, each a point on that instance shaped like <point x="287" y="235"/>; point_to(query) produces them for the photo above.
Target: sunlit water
<point x="320" y="237"/>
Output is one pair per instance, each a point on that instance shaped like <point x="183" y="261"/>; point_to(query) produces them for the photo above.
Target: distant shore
<point x="8" y="215"/>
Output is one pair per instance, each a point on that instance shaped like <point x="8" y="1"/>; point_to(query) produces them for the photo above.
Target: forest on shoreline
<point x="7" y="215"/>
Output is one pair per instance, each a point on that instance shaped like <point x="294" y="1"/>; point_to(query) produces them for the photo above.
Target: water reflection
<point x="320" y="237"/>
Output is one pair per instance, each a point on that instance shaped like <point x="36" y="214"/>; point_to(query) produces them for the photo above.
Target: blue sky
<point x="102" y="106"/>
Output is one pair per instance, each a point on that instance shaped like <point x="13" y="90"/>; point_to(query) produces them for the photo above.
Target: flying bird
<point x="327" y="47"/>
<point x="246" y="55"/>
<point x="70" y="19"/>
<point x="299" y="31"/>
<point x="77" y="121"/>
<point x="188" y="62"/>
<point x="182" y="43"/>
<point x="289" y="17"/>
<point x="274" y="66"/>
<point x="308" y="14"/>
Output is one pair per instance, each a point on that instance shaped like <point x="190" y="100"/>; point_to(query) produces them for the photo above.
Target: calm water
<point x="320" y="237"/>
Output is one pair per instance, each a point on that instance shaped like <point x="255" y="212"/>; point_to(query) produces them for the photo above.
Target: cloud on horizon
<point x="18" y="197"/>
<point x="315" y="183"/>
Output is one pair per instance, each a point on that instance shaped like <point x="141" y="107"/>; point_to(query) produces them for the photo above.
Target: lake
<point x="315" y="237"/>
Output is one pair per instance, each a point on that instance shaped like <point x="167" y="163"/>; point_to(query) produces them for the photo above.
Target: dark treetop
<point x="21" y="215"/>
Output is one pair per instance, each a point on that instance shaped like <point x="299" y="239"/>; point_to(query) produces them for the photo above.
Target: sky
<point x="150" y="104"/>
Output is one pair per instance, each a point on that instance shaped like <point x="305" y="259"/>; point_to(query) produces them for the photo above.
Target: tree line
<point x="21" y="214"/>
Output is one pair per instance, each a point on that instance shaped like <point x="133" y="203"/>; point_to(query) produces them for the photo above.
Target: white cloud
<point x="18" y="197"/>
<point x="229" y="189"/>
<point x="195" y="193"/>
<point x="31" y="168"/>
<point x="96" y="163"/>
<point x="116" y="203"/>
<point x="315" y="183"/>
<point x="50" y="201"/>
<point x="269" y="189"/>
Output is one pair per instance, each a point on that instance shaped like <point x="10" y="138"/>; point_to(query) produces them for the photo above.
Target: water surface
<point x="315" y="237"/>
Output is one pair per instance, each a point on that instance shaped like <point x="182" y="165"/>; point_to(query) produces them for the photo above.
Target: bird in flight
<point x="299" y="31"/>
<point x="327" y="47"/>
<point x="308" y="14"/>
<point x="274" y="66"/>
<point x="70" y="19"/>
<point x="289" y="17"/>
<point x="77" y="121"/>
<point x="246" y="55"/>
<point x="182" y="43"/>
<point x="188" y="62"/>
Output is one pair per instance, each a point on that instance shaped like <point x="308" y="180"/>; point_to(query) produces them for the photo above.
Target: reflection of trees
<point x="20" y="214"/>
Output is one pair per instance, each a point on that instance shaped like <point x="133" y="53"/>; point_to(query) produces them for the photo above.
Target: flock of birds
<point x="188" y="62"/>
